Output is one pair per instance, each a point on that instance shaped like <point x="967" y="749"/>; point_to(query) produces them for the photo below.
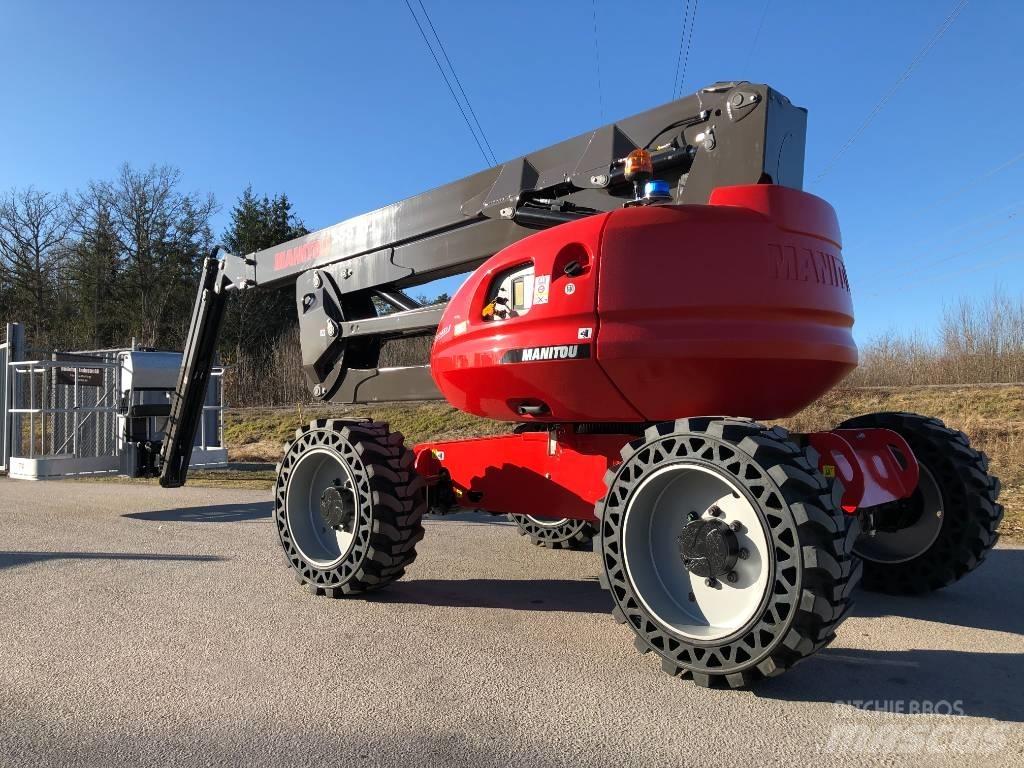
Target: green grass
<point x="259" y="434"/>
<point x="992" y="416"/>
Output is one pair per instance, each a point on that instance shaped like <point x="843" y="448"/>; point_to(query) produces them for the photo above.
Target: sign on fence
<point x="86" y="377"/>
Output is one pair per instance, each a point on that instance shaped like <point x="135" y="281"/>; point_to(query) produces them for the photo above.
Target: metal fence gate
<point x="11" y="349"/>
<point x="67" y="414"/>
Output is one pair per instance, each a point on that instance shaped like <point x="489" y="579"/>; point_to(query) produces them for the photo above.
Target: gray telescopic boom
<point x="728" y="133"/>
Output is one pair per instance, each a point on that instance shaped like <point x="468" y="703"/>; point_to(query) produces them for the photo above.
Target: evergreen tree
<point x="256" y="319"/>
<point x="92" y="274"/>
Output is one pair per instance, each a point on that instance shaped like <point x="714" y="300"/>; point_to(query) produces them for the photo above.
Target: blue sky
<point x="339" y="105"/>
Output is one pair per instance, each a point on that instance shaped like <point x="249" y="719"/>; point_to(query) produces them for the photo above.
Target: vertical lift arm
<point x="194" y="377"/>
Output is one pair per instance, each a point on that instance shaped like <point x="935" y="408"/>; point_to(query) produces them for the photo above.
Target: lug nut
<point x="710" y="582"/>
<point x="691" y="517"/>
<point x="743" y="554"/>
<point x="731" y="578"/>
<point x="736" y="526"/>
<point x="715" y="512"/>
<point x="693" y="598"/>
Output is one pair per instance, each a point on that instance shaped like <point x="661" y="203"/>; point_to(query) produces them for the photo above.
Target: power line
<point x="961" y="4"/>
<point x="682" y="40"/>
<point x="933" y="262"/>
<point x="922" y="259"/>
<point x="597" y="58"/>
<point x="451" y="90"/>
<point x="977" y="267"/>
<point x="689" y="39"/>
<point x="458" y="82"/>
<point x="757" y="34"/>
<point x="971" y="183"/>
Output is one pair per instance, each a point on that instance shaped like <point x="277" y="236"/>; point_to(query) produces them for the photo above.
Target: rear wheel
<point x="725" y="550"/>
<point x="555" y="534"/>
<point x="348" y="506"/>
<point x="947" y="527"/>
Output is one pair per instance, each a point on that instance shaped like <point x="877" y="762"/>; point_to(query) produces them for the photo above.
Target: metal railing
<point x="68" y="414"/>
<point x="65" y="408"/>
<point x="212" y="421"/>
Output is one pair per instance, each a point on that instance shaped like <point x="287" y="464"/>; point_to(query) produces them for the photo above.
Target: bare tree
<point x="162" y="236"/>
<point x="34" y="229"/>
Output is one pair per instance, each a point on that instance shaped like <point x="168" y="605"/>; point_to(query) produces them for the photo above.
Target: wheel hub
<point x="709" y="548"/>
<point x="337" y="508"/>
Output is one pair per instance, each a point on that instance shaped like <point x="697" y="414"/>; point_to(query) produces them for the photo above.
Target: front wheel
<point x="348" y="506"/>
<point x="725" y="550"/>
<point x="946" y="528"/>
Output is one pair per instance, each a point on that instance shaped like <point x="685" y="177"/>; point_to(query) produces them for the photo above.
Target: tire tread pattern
<point x="970" y="496"/>
<point x="806" y="525"/>
<point x="392" y="504"/>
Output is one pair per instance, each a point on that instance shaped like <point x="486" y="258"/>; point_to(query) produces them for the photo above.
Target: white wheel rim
<point x="656" y="514"/>
<point x="894" y="547"/>
<point x="314" y="472"/>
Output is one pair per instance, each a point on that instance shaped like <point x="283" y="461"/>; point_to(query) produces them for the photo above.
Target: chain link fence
<point x="65" y="406"/>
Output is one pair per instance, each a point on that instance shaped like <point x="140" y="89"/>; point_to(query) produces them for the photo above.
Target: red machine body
<point x="558" y="474"/>
<point x="741" y="306"/>
<point x="646" y="314"/>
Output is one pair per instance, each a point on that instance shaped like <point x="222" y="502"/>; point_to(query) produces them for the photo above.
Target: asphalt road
<point x="148" y="627"/>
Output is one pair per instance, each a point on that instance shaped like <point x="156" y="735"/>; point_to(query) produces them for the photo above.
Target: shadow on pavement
<point x="216" y="513"/>
<point x="15" y="559"/>
<point x="984" y="684"/>
<point x="514" y="594"/>
<point x="988" y="598"/>
<point x="975" y="684"/>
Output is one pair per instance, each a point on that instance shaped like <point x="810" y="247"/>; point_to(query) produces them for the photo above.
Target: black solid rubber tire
<point x="815" y="573"/>
<point x="568" y="534"/>
<point x="392" y="501"/>
<point x="971" y="512"/>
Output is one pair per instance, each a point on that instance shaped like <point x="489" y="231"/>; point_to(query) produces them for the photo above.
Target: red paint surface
<point x="526" y="473"/>
<point x="741" y="306"/>
<point x="533" y="474"/>
<point x="875" y="466"/>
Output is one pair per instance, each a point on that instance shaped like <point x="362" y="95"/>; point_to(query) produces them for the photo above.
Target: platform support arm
<point x="221" y="272"/>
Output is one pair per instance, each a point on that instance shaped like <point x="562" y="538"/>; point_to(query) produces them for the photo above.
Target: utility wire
<point x="931" y="263"/>
<point x="689" y="40"/>
<point x="977" y="267"/>
<point x="458" y="82"/>
<point x="927" y="257"/>
<point x="961" y="4"/>
<point x="970" y="184"/>
<point x="597" y="59"/>
<point x="682" y="40"/>
<point x="757" y="34"/>
<point x="451" y="90"/>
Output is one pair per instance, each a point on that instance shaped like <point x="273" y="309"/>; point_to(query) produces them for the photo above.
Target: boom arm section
<point x="726" y="134"/>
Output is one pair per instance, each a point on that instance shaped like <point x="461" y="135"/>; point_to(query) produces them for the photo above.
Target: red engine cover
<point x="739" y="307"/>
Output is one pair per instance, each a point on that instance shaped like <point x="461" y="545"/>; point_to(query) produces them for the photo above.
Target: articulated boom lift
<point x="624" y="282"/>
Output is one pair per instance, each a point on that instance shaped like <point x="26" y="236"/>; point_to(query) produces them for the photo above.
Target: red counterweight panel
<point x="738" y="307"/>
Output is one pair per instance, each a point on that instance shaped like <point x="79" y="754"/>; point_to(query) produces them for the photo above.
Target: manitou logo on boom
<point x="299" y="254"/>
<point x="806" y="265"/>
<point x="555" y="352"/>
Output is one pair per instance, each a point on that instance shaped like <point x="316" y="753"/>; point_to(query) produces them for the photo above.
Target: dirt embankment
<point x="993" y="417"/>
